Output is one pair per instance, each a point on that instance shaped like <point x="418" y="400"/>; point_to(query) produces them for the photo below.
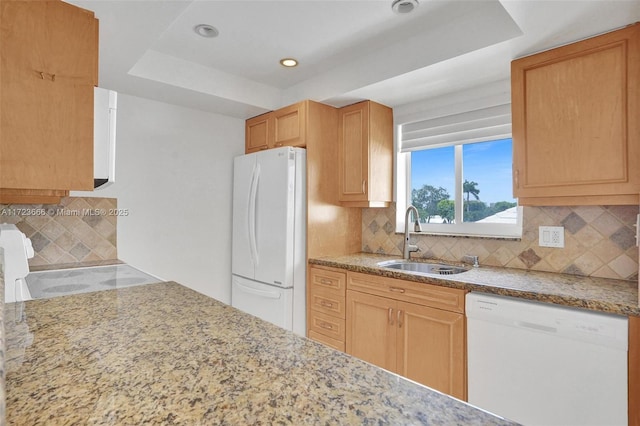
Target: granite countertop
<point x="598" y="294"/>
<point x="165" y="354"/>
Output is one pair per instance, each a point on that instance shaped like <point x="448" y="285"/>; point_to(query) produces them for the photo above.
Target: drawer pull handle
<point x="325" y="281"/>
<point x="326" y="304"/>
<point x="325" y="325"/>
<point x="400" y="319"/>
<point x="390" y="316"/>
<point x="396" y="289"/>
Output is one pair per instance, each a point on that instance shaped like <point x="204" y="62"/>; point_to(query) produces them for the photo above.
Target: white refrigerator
<point x="269" y="244"/>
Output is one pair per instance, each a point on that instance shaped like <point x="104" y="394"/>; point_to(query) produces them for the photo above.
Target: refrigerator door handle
<point x="261" y="293"/>
<point x="253" y="195"/>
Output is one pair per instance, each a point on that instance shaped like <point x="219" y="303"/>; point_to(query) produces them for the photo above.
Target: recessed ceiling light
<point x="206" y="30"/>
<point x="404" y="6"/>
<point x="288" y="62"/>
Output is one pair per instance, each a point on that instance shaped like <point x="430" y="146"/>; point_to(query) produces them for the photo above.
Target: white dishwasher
<point x="542" y="364"/>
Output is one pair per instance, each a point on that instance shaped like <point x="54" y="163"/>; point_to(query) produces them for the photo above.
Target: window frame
<point x="468" y="229"/>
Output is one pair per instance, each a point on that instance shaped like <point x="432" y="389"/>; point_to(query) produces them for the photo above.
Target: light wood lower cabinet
<point x="423" y="343"/>
<point x="326" y="306"/>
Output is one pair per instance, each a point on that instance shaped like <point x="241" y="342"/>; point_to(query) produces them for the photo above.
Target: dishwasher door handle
<point x="534" y="326"/>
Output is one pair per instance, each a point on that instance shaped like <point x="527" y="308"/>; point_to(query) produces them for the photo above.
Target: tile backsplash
<point x="599" y="241"/>
<point x="78" y="229"/>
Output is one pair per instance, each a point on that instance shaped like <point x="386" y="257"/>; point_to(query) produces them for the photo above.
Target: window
<point x="457" y="173"/>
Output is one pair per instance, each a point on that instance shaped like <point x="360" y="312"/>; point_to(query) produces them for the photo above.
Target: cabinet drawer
<point x="331" y="342"/>
<point x="326" y="325"/>
<point x="327" y="280"/>
<point x="327" y="302"/>
<point x="449" y="299"/>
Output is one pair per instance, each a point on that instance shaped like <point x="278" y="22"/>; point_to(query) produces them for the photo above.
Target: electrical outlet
<point x="551" y="236"/>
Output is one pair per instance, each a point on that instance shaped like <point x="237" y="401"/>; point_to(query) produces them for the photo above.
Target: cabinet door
<point x="289" y="126"/>
<point x="575" y="127"/>
<point x="431" y="348"/>
<point x="257" y="133"/>
<point x="353" y="154"/>
<point x="47" y="83"/>
<point x="371" y="329"/>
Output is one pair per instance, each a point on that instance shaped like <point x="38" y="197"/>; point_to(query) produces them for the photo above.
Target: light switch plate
<point x="551" y="236"/>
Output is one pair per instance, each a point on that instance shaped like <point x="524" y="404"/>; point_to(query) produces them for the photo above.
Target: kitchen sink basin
<point x="422" y="267"/>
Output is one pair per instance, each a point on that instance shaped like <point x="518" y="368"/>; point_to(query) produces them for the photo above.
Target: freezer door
<point x="275" y="217"/>
<point x="244" y="195"/>
<point x="270" y="303"/>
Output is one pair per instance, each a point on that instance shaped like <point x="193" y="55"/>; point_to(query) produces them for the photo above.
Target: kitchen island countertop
<point x="164" y="354"/>
<point x="597" y="294"/>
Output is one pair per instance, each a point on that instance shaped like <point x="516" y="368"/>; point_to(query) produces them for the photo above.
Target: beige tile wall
<point x="77" y="230"/>
<point x="599" y="241"/>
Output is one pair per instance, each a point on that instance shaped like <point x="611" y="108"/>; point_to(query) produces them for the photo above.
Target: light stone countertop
<point x="598" y="294"/>
<point x="164" y="354"/>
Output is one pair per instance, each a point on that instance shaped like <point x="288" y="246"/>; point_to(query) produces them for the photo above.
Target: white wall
<point x="174" y="173"/>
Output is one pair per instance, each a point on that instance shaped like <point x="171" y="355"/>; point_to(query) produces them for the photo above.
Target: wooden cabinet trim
<point x="422" y="294"/>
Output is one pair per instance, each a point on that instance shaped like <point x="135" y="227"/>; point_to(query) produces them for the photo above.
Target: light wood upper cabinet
<point x="576" y="133"/>
<point x="365" y="154"/>
<point x="289" y="125"/>
<point x="46" y="107"/>
<point x="283" y="127"/>
<point x="257" y="133"/>
<point x="398" y="326"/>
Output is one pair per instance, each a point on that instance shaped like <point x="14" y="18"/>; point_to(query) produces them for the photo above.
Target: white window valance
<point x="480" y="125"/>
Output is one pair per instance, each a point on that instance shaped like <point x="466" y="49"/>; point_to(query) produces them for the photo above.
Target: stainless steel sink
<point x="422" y="268"/>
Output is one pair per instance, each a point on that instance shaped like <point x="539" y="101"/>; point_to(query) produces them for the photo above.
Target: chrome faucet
<point x="408" y="247"/>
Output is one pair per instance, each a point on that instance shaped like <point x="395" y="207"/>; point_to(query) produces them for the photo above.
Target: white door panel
<point x="270" y="303"/>
<point x="275" y="218"/>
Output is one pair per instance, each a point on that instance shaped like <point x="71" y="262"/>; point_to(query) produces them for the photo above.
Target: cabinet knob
<point x="396" y="289"/>
<point x="390" y="316"/>
<point x="364" y="186"/>
<point x="400" y="319"/>
<point x="279" y="144"/>
<point x="325" y="281"/>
